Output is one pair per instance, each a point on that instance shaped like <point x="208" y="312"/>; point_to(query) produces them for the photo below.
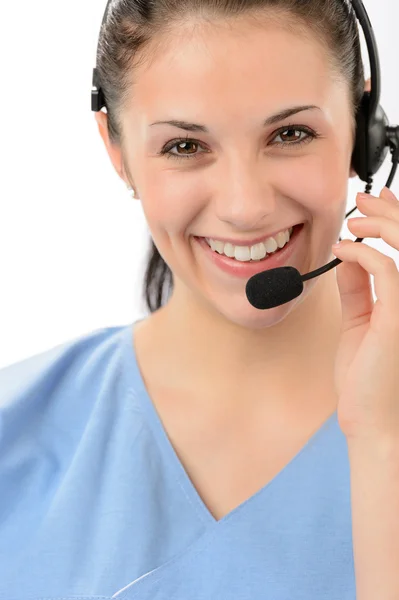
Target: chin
<point x="236" y="310"/>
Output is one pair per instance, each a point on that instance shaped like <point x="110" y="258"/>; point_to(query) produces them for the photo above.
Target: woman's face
<point x="239" y="179"/>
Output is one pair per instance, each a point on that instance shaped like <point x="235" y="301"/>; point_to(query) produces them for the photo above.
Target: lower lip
<point x="248" y="269"/>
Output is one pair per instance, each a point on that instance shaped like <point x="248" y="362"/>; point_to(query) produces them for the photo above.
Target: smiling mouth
<point x="248" y="268"/>
<point x="295" y="229"/>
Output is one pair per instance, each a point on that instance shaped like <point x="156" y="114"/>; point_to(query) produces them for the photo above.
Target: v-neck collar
<point x="137" y="386"/>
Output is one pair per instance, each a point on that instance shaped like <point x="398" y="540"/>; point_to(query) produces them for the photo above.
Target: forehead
<point x="233" y="66"/>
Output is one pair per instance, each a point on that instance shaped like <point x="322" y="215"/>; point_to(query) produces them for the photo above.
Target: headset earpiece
<point x="371" y="146"/>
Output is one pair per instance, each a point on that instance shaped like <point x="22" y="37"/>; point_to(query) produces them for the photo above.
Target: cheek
<point x="316" y="183"/>
<point x="171" y="202"/>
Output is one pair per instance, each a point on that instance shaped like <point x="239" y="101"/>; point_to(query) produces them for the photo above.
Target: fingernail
<point x="389" y="193"/>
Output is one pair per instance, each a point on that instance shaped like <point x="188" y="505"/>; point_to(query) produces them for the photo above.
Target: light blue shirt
<point x="95" y="504"/>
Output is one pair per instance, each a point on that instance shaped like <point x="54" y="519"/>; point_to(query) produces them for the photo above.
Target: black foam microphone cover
<point x="274" y="287"/>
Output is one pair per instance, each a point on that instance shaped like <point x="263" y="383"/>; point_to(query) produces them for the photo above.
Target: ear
<point x="367" y="88"/>
<point x="114" y="151"/>
<point x="367" y="85"/>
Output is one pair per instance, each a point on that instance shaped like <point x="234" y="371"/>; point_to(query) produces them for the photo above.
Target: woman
<point x="214" y="450"/>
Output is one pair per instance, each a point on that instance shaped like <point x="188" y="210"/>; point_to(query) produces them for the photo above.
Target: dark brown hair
<point x="132" y="24"/>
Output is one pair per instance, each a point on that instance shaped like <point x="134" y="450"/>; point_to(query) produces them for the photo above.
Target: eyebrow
<point x="269" y="121"/>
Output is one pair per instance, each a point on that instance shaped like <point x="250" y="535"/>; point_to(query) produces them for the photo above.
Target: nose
<point x="245" y="200"/>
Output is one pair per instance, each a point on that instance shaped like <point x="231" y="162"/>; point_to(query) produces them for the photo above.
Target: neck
<point x="288" y="367"/>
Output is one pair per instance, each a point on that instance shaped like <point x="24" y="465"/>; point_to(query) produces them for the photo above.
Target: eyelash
<point x="168" y="147"/>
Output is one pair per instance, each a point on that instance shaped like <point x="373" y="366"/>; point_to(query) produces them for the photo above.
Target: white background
<point x="73" y="243"/>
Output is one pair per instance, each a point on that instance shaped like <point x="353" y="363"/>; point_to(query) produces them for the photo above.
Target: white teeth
<point x="242" y="253"/>
<point x="217" y="246"/>
<point x="256" y="252"/>
<point x="229" y="250"/>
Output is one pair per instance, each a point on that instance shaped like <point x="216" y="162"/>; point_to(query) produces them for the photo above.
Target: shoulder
<point x="58" y="374"/>
<point x="49" y="400"/>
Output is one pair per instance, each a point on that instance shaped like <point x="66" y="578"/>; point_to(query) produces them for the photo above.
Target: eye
<point x="185" y="143"/>
<point x="291" y="133"/>
<point x="180" y="144"/>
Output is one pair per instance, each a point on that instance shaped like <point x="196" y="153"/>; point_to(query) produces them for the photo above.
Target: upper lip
<point x="252" y="242"/>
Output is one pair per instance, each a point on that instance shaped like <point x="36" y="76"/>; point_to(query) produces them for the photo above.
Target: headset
<point x="374" y="136"/>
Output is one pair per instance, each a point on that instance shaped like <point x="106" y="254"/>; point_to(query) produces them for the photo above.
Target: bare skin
<point x="239" y="390"/>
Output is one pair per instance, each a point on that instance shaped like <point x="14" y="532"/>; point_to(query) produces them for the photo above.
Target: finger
<point x="374" y="207"/>
<point x="355" y="289"/>
<point x="376" y="227"/>
<point x="386" y="279"/>
<point x="388" y="194"/>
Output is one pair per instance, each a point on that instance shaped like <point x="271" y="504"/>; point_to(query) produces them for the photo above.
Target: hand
<point x="367" y="361"/>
